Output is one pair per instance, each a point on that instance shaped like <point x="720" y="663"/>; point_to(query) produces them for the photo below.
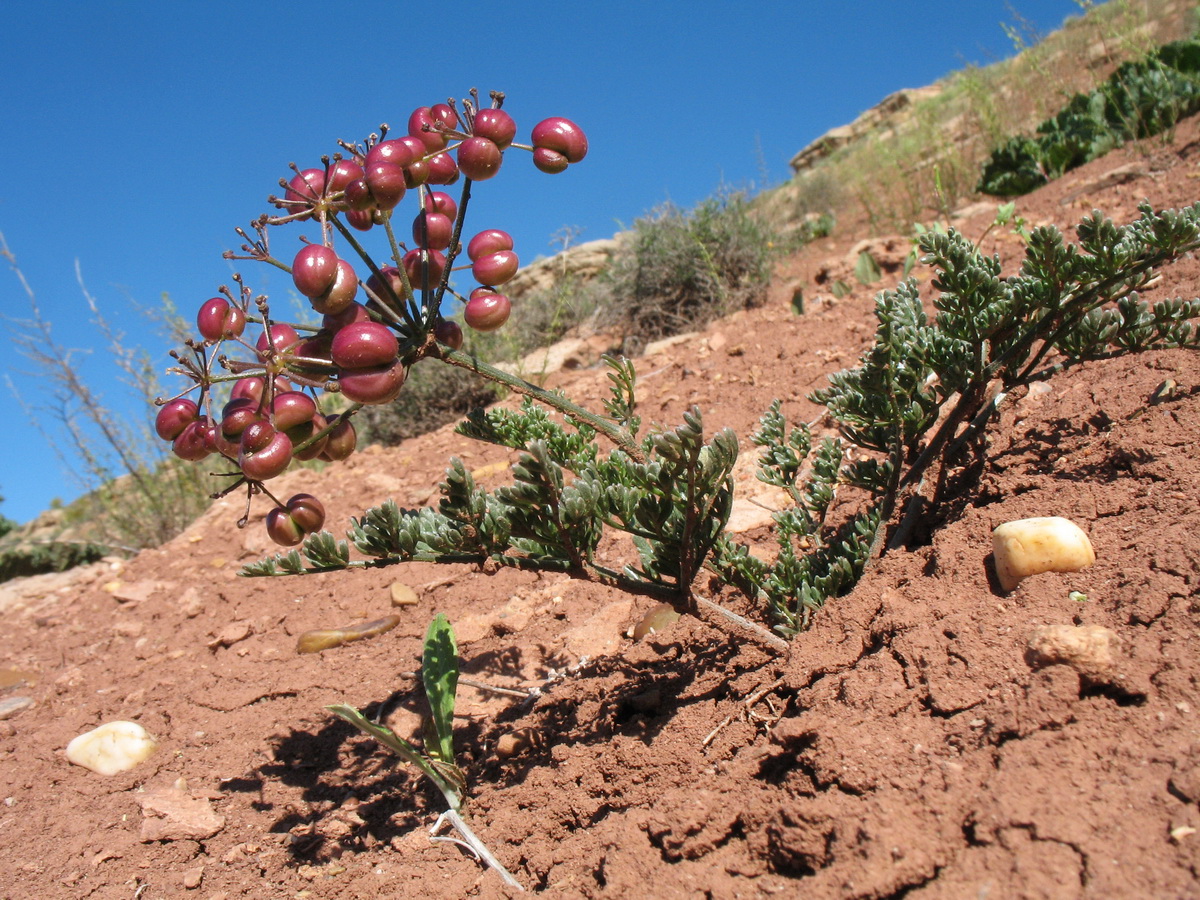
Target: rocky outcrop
<point x="583" y="261"/>
<point x="885" y="119"/>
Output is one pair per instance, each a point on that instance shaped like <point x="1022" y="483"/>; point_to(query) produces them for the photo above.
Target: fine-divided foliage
<point x="672" y="496"/>
<point x="915" y="406"/>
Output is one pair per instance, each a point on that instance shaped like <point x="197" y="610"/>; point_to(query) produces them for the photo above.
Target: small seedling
<point x="439" y="674"/>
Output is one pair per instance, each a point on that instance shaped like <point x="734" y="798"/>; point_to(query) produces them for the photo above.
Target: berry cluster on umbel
<point x="375" y="322"/>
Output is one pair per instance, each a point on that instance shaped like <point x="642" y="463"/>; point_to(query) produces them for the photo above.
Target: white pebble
<point x="113" y="747"/>
<point x="1045" y="544"/>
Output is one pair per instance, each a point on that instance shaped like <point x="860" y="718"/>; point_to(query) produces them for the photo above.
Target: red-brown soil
<point x="903" y="747"/>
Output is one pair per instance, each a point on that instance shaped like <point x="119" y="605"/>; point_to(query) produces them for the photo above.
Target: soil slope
<point x="909" y="744"/>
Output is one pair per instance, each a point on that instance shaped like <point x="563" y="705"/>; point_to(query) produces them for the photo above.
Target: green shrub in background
<point x="137" y="494"/>
<point x="1140" y="99"/>
<point x="681" y="269"/>
<point x="6" y="524"/>
<point x="20" y="559"/>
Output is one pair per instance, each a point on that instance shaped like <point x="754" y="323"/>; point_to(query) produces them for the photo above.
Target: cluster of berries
<point x="362" y="349"/>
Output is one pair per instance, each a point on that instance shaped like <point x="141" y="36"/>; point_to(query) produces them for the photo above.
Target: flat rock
<point x="173" y="814"/>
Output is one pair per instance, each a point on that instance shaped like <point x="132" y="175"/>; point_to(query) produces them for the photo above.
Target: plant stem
<point x="474" y="843"/>
<point x="605" y="426"/>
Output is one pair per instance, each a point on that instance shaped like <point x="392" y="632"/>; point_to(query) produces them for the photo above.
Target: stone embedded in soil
<point x="403" y="595"/>
<point x="136" y="591"/>
<point x="111" y="748"/>
<point x="233" y="633"/>
<point x="10" y="706"/>
<point x="173" y="814"/>
<point x="1043" y="544"/>
<point x="1091" y="650"/>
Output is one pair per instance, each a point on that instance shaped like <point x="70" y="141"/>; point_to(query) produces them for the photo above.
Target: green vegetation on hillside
<point x="922" y="159"/>
<point x="1142" y="98"/>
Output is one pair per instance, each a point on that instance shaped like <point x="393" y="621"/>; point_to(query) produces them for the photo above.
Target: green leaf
<point x="437" y="772"/>
<point x="439" y="672"/>
<point x="866" y="270"/>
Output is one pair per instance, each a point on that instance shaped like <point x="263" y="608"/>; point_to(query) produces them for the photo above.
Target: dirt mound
<point x="911" y="743"/>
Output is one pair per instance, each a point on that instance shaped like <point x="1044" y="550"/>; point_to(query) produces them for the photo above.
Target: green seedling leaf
<point x="866" y="270"/>
<point x="450" y="786"/>
<point x="439" y="671"/>
<point x="798" y="301"/>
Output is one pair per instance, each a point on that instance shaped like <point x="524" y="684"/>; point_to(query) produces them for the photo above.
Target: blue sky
<point x="138" y="135"/>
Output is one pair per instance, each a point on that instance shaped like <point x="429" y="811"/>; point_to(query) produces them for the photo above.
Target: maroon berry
<point x="550" y="161"/>
<point x="304" y="190"/>
<point x="215" y="442"/>
<point x="441" y="202"/>
<point x="561" y="135"/>
<point x="387" y="184"/>
<point x="174" y="417"/>
<point x="283" y="336"/>
<point x="312" y="352"/>
<point x="238" y="415"/>
<point x="341" y="174"/>
<point x="251" y="387"/>
<point x="417" y="260"/>
<point x="417" y="174"/>
<point x="267" y="462"/>
<point x="341" y="293"/>
<point x="314" y="269"/>
<point x="355" y="312"/>
<point x="490" y="241"/>
<point x="479" y="158"/>
<point x="496" y="125"/>
<point x="449" y="333"/>
<point x="308" y="511"/>
<point x="218" y="320"/>
<point x="389" y="290"/>
<point x="442" y="169"/>
<point x="426" y="117"/>
<point x="358" y="195"/>
<point x="301" y="433"/>
<point x="342" y="439"/>
<point x="257" y="435"/>
<point x="283" y="529"/>
<point x="190" y="444"/>
<point x="487" y="312"/>
<point x="365" y="345"/>
<point x="292" y="408"/>
<point x="378" y="384"/>
<point x="432" y="230"/>
<point x="362" y="219"/>
<point x="444" y="114"/>
<point x="495" y="268"/>
<point x="398" y="152"/>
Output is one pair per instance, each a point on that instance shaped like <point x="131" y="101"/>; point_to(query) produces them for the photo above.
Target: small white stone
<point x="1045" y="544"/>
<point x="113" y="747"/>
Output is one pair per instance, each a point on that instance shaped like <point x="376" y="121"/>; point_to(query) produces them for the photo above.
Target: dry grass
<point x="924" y="162"/>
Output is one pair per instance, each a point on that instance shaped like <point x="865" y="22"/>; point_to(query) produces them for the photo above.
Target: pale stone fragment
<point x="172" y="814"/>
<point x="1091" y="650"/>
<point x="1044" y="544"/>
<point x="403" y="595"/>
<point x="113" y="747"/>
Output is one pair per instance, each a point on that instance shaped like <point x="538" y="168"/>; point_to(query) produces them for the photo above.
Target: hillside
<point x="903" y="745"/>
<point x="912" y="743"/>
